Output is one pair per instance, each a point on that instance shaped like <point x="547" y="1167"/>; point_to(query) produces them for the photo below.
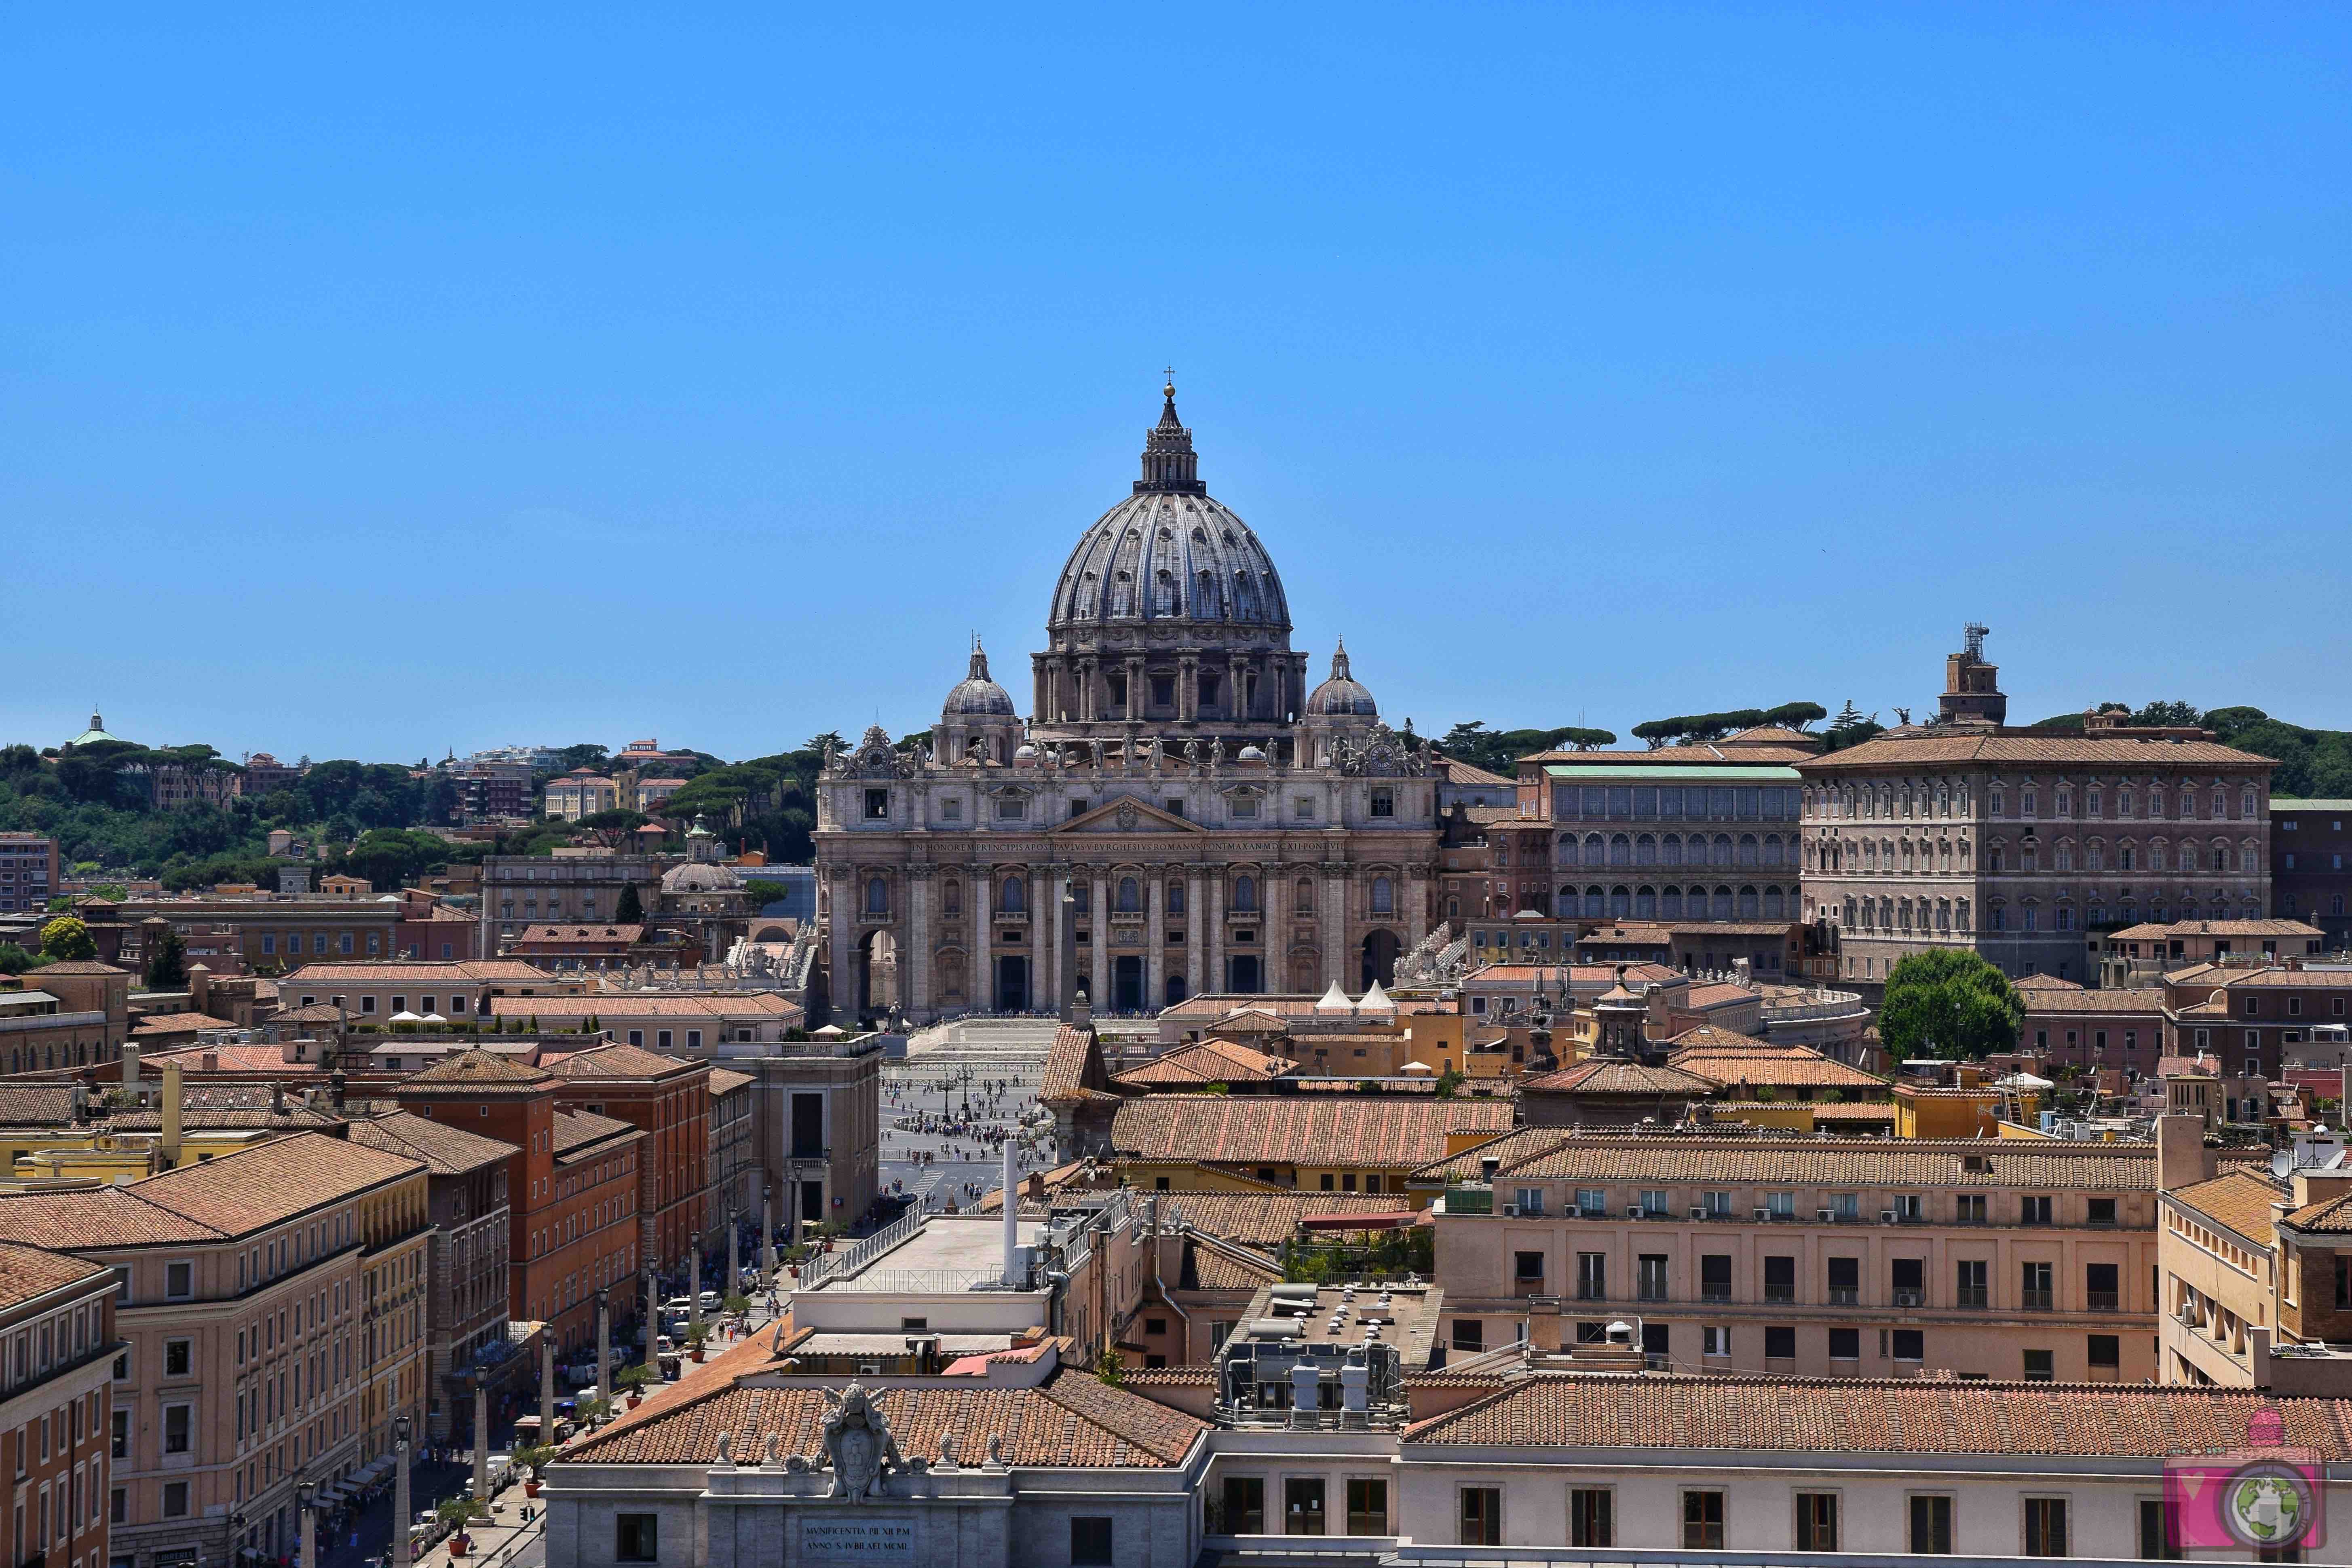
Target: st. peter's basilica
<point x="1178" y="813"/>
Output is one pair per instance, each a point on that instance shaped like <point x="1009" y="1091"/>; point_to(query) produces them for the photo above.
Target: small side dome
<point x="977" y="696"/>
<point x="1025" y="753"/>
<point x="1250" y="753"/>
<point x="1343" y="697"/>
<point x="701" y="876"/>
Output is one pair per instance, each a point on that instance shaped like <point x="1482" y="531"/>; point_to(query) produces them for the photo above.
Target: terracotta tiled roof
<point x="1252" y="1129"/>
<point x="29" y="1272"/>
<point x="1719" y="1041"/>
<point x="228" y="1057"/>
<point x="216" y="1200"/>
<point x="181" y="1023"/>
<point x="2045" y="982"/>
<point x="466" y="972"/>
<point x="1611" y="1075"/>
<point x="1463" y="773"/>
<point x="35" y="1104"/>
<point x="2288" y="979"/>
<point x="2239" y="1200"/>
<point x="2049" y="1004"/>
<point x="1206" y="1062"/>
<point x="447" y="1151"/>
<point x="1818" y="1162"/>
<point x="2125" y="752"/>
<point x="2331" y="1216"/>
<point x="1859" y="1416"/>
<point x="1073" y="1421"/>
<point x="721" y="1004"/>
<point x="618" y="1062"/>
<point x="473" y="1070"/>
<point x="1215" y="1269"/>
<point x="1801" y="1069"/>
<point x="1702" y="755"/>
<point x="1267" y="1219"/>
<point x="2151" y="930"/>
<point x="1882" y="1112"/>
<point x="1074" y="1072"/>
<point x="1720" y="994"/>
<point x="80" y="966"/>
<point x="317" y="1012"/>
<point x="723" y="1082"/>
<point x="599" y="933"/>
<point x="578" y="1128"/>
<point x="1578" y="974"/>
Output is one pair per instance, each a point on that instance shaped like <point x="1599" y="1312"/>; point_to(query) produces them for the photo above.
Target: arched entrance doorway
<point x="1380" y="958"/>
<point x="1175" y="989"/>
<point x="1012" y="983"/>
<point x="1242" y="973"/>
<point x="1127" y="984"/>
<point x="877" y="973"/>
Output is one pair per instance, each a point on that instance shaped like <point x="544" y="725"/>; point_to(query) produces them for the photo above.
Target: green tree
<point x="67" y="938"/>
<point x="613" y="828"/>
<point x="631" y="910"/>
<point x="167" y="966"/>
<point x="14" y="960"/>
<point x="765" y="891"/>
<point x="1949" y="1003"/>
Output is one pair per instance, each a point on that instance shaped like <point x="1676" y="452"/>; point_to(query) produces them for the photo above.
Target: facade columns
<point x="1416" y="919"/>
<point x="1332" y="923"/>
<point x="842" y="914"/>
<point x="1188" y="689"/>
<point x="915" y="953"/>
<point x="1196" y="926"/>
<point x="1213" y="915"/>
<point x="1155" y="941"/>
<point x="1055" y="939"/>
<point x="1098" y="969"/>
<point x="1135" y="693"/>
<point x="1234" y="702"/>
<point x="1273" y="963"/>
<point x="983" y="966"/>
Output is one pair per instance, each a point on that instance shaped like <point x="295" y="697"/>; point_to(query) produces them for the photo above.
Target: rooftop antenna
<point x="1976" y="632"/>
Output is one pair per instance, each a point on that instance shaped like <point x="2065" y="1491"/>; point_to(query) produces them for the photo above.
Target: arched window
<point x="1383" y="897"/>
<point x="1722" y="910"/>
<point x="1645" y="851"/>
<point x="1670" y="904"/>
<point x="1175" y="895"/>
<point x="1773" y="903"/>
<point x="1621" y="903"/>
<point x="1722" y="849"/>
<point x="1452" y="909"/>
<point x="1773" y="850"/>
<point x="1673" y="850"/>
<point x="1645" y="903"/>
<point x="1595" y="852"/>
<point x="877" y="896"/>
<point x="1244" y="893"/>
<point x="1748" y="855"/>
<point x="1620" y="850"/>
<point x="1130" y="897"/>
<point x="1747" y="903"/>
<point x="1592" y="903"/>
<point x="1016" y="898"/>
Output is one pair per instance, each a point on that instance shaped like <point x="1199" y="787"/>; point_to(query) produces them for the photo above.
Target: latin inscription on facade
<point x="829" y="1540"/>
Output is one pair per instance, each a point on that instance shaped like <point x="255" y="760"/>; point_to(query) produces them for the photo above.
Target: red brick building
<point x="668" y="1100"/>
<point x="571" y="1186"/>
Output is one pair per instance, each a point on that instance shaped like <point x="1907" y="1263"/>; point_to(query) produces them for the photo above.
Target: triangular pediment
<point x="1128" y="814"/>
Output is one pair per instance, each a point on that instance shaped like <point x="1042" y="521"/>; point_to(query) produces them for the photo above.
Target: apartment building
<point x="2011" y="843"/>
<point x="28" y="872"/>
<point x="72" y="1013"/>
<point x="269" y="931"/>
<point x="57" y="1353"/>
<point x="375" y="993"/>
<point x="2093" y="1029"/>
<point x="519" y="890"/>
<point x="1818" y="1258"/>
<point x="2310" y="864"/>
<point x="582" y="793"/>
<point x="687" y="1021"/>
<point x="465" y="1319"/>
<point x="668" y="1100"/>
<point x="271" y="1309"/>
<point x="2258" y="1019"/>
<point x="571" y="1183"/>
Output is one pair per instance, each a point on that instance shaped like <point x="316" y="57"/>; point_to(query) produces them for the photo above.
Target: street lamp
<point x="400" y="1515"/>
<point x="305" y="1494"/>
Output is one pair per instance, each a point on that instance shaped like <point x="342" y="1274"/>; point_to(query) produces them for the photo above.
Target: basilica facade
<point x="1178" y="813"/>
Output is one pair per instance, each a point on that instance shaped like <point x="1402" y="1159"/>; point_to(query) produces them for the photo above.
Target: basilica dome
<point x="1342" y="696"/>
<point x="1170" y="558"/>
<point x="977" y="696"/>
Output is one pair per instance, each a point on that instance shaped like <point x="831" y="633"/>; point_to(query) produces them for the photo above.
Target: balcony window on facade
<point x="1650" y="1276"/>
<point x="1844" y="1281"/>
<point x="1907" y="1282"/>
<point x="2036" y="1288"/>
<point x="1591" y="1203"/>
<point x="1591" y="1277"/>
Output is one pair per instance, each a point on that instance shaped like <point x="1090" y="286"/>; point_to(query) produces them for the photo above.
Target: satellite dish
<point x="2280" y="1164"/>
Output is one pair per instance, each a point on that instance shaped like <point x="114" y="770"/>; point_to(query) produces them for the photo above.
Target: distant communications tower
<point x="1976" y="632"/>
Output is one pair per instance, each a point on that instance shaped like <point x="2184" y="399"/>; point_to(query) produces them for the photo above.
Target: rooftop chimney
<point x="171" y="1116"/>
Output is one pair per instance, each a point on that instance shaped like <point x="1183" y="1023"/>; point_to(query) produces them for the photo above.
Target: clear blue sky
<point x="377" y="383"/>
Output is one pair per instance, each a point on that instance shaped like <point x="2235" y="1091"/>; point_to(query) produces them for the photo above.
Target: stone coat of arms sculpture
<point x="858" y="1448"/>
